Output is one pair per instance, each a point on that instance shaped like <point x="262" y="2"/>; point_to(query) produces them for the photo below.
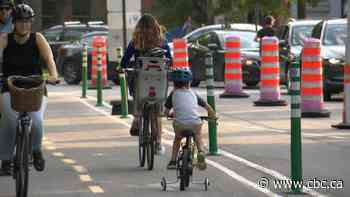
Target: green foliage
<point x="174" y="12"/>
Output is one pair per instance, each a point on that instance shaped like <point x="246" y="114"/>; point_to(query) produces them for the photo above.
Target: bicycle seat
<point x="187" y="133"/>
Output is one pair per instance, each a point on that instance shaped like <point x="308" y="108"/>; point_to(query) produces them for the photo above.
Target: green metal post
<point x="84" y="72"/>
<point x="123" y="88"/>
<point x="296" y="162"/>
<point x="99" y="76"/>
<point x="213" y="146"/>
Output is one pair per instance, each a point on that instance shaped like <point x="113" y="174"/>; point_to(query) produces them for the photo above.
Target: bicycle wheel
<point x="142" y="144"/>
<point x="22" y="164"/>
<point x="150" y="138"/>
<point x="184" y="169"/>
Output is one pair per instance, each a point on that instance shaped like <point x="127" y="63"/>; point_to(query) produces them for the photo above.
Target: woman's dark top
<point x="21" y="59"/>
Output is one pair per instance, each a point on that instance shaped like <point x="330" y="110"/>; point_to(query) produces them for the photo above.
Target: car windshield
<point x="300" y="33"/>
<point x="335" y="34"/>
<point x="247" y="39"/>
<point x="197" y="33"/>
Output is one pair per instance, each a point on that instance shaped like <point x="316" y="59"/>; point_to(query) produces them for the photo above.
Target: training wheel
<point x="163" y="184"/>
<point x="206" y="183"/>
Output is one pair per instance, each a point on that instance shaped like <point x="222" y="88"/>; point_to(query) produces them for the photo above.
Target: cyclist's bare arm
<point x="210" y="110"/>
<point x="47" y="56"/>
<point x="3" y="40"/>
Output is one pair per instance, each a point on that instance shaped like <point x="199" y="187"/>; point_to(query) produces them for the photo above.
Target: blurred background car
<point x="70" y="31"/>
<point x="69" y="59"/>
<point x="333" y="36"/>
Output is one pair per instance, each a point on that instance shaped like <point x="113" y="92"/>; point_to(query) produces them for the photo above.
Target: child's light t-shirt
<point x="185" y="104"/>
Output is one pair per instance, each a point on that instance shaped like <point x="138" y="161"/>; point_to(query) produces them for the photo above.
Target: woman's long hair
<point x="147" y="33"/>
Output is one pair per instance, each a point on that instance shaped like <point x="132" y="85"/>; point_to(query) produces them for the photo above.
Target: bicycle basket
<point x="26" y="92"/>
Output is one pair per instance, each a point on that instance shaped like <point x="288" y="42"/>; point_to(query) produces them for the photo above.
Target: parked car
<point x="292" y="36"/>
<point x="333" y="36"/>
<point x="195" y="34"/>
<point x="69" y="59"/>
<point x="69" y="32"/>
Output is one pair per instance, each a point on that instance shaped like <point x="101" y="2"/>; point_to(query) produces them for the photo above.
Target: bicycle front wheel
<point x="152" y="140"/>
<point x="22" y="164"/>
<point x="185" y="169"/>
<point x="142" y="143"/>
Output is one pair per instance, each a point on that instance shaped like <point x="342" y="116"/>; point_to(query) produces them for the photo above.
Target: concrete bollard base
<point x="270" y="103"/>
<point x="234" y="95"/>
<point x="117" y="107"/>
<point x="341" y="126"/>
<point x="322" y="114"/>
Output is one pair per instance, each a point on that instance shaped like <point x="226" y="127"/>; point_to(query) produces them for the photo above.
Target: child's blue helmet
<point x="181" y="74"/>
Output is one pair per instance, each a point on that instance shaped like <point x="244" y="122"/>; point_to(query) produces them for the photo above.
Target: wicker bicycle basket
<point x="26" y="92"/>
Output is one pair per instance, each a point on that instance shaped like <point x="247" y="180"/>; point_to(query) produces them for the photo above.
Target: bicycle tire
<point x="184" y="170"/>
<point x="22" y="175"/>
<point x="142" y="148"/>
<point x="152" y="141"/>
<point x="16" y="168"/>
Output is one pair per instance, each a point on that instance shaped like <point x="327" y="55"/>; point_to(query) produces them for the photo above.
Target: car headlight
<point x="249" y="62"/>
<point x="334" y="61"/>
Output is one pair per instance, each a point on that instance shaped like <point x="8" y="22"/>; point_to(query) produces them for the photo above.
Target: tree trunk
<point x="301" y="9"/>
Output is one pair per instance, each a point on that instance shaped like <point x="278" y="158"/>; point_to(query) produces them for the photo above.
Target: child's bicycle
<point x="186" y="161"/>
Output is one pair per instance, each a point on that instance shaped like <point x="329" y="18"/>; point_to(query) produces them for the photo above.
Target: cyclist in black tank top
<point x="23" y="51"/>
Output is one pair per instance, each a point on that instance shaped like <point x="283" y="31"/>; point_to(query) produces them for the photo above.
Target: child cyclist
<point x="184" y="103"/>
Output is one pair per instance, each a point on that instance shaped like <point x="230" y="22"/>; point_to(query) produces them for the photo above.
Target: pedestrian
<point x="6" y="26"/>
<point x="147" y="35"/>
<point x="188" y="26"/>
<point x="267" y="29"/>
<point x="23" y="51"/>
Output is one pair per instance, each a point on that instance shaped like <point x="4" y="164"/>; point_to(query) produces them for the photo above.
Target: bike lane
<point x="90" y="153"/>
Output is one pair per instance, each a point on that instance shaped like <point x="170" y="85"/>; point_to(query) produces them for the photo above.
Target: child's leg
<point x="176" y="147"/>
<point x="199" y="137"/>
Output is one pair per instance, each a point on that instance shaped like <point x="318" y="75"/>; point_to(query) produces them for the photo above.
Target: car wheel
<point x="195" y="83"/>
<point x="71" y="72"/>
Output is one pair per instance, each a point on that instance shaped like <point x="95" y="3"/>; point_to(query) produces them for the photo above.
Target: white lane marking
<point x="58" y="154"/>
<point x="68" y="161"/>
<point x="96" y="189"/>
<point x="222" y="168"/>
<point x="85" y="178"/>
<point x="229" y="155"/>
<point x="80" y="169"/>
<point x="337" y="137"/>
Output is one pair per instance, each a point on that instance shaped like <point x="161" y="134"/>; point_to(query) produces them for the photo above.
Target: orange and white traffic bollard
<point x="270" y="94"/>
<point x="233" y="69"/>
<point x="312" y="104"/>
<point x="180" y="59"/>
<point x="99" y="41"/>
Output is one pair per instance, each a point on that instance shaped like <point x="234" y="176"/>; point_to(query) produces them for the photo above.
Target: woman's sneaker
<point x="38" y="161"/>
<point x="171" y="165"/>
<point x="201" y="164"/>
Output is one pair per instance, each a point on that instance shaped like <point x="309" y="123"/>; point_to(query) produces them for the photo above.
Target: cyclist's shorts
<point x="179" y="127"/>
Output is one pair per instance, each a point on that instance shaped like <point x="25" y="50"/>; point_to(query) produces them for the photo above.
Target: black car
<point x="333" y="36"/>
<point x="69" y="32"/>
<point x="249" y="55"/>
<point x="69" y="60"/>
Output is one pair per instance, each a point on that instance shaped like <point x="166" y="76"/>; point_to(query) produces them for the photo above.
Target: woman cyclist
<point x="23" y="50"/>
<point x="147" y="35"/>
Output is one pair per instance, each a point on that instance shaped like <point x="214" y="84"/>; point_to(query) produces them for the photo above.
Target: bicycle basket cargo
<point x="26" y="92"/>
<point x="151" y="83"/>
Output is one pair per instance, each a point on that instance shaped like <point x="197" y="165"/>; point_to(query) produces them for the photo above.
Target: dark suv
<point x="69" y="59"/>
<point x="69" y="32"/>
<point x="333" y="36"/>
